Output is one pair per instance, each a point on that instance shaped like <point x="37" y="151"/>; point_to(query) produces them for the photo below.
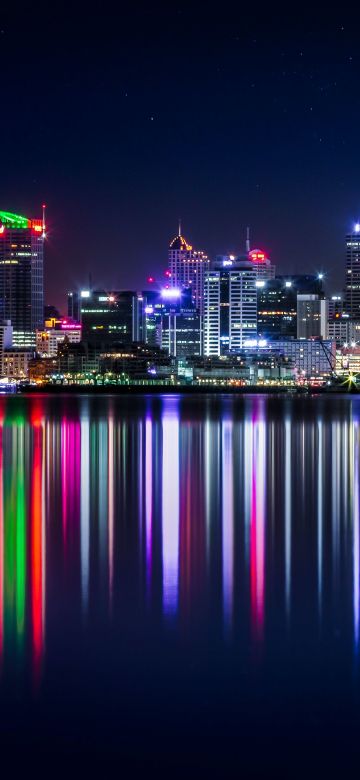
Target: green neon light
<point x="15" y="546"/>
<point x="14" y="220"/>
<point x="20" y="538"/>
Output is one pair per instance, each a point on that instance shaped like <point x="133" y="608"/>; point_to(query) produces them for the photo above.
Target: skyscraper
<point x="116" y="316"/>
<point x="352" y="273"/>
<point x="187" y="268"/>
<point x="21" y="273"/>
<point x="312" y="317"/>
<point x="277" y="303"/>
<point x="230" y="306"/>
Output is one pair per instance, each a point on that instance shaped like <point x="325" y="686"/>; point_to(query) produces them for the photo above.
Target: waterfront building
<point x="22" y="274"/>
<point x="16" y="361"/>
<point x="230" y="305"/>
<point x="352" y="273"/>
<point x="312" y="317"/>
<point x="313" y="358"/>
<point x="187" y="268"/>
<point x="137" y="361"/>
<point x="242" y="369"/>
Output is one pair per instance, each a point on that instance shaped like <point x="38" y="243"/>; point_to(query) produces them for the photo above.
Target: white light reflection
<point x="111" y="505"/>
<point x="85" y="511"/>
<point x="227" y="522"/>
<point x="170" y="507"/>
<point x="320" y="513"/>
<point x="148" y="498"/>
<point x="356" y="559"/>
<point x="248" y="470"/>
<point x="287" y="515"/>
<point x="257" y="530"/>
<point x="335" y="499"/>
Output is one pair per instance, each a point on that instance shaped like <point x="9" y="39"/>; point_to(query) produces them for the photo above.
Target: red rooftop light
<point x="257" y="256"/>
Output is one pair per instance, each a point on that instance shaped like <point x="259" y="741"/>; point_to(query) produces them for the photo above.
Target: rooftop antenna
<point x="43" y="219"/>
<point x="179" y="226"/>
<point x="248" y="239"/>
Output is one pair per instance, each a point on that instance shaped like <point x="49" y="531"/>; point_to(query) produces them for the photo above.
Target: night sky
<point x="123" y="121"/>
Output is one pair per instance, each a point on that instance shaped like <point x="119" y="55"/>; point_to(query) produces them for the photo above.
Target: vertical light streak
<point x="20" y="539"/>
<point x="356" y="539"/>
<point x="111" y="505"/>
<point x="248" y="471"/>
<point x="335" y="498"/>
<point x="227" y="523"/>
<point x="170" y="507"/>
<point x="85" y="511"/>
<point x="320" y="513"/>
<point x="208" y="475"/>
<point x="103" y="496"/>
<point x="288" y="456"/>
<point x="257" y="529"/>
<point x="148" y="499"/>
<point x="64" y="476"/>
<point x="1" y="549"/>
<point x="37" y="553"/>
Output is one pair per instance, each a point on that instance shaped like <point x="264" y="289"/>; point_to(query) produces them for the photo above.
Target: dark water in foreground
<point x="180" y="585"/>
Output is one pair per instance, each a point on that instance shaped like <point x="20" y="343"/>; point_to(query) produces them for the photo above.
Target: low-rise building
<point x="15" y="362"/>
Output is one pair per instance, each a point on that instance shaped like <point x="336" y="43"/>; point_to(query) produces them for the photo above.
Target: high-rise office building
<point x="230" y="306"/>
<point x="22" y="274"/>
<point x="181" y="326"/>
<point x="74" y="305"/>
<point x="312" y="317"/>
<point x="352" y="273"/>
<point x="187" y="268"/>
<point x="111" y="316"/>
<point x="277" y="303"/>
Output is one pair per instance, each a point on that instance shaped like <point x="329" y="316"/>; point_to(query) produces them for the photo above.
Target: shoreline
<point x="180" y="390"/>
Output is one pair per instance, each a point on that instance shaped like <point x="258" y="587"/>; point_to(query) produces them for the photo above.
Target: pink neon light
<point x="111" y="505"/>
<point x="37" y="553"/>
<point x="1" y="549"/>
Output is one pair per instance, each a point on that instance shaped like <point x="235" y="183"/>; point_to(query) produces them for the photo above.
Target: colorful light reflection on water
<point x="227" y="523"/>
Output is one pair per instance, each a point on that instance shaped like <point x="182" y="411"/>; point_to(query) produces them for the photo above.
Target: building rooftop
<point x="179" y="242"/>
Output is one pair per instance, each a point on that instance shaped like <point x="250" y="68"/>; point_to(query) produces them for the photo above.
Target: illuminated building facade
<point x="230" y="306"/>
<point x="348" y="360"/>
<point x="21" y="273"/>
<point x="312" y="357"/>
<point x="55" y="331"/>
<point x="187" y="268"/>
<point x="352" y="273"/>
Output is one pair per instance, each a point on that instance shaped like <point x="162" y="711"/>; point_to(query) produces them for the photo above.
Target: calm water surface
<point x="180" y="585"/>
